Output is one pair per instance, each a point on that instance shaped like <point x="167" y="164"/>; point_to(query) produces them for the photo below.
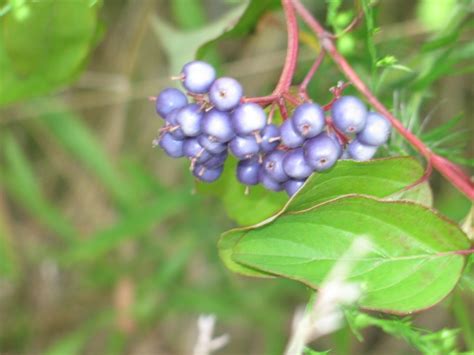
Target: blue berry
<point x="189" y="119"/>
<point x="206" y="174"/>
<point x="349" y="114"/>
<point x="336" y="140"/>
<point x="360" y="151"/>
<point x="292" y="186"/>
<point x="268" y="182"/>
<point x="196" y="152"/>
<point x="270" y="138"/>
<point x="289" y="136"/>
<point x="175" y="130"/>
<point x="273" y="166"/>
<point x="376" y="130"/>
<point x="210" y="145"/>
<point x="225" y="93"/>
<point x="248" y="118"/>
<point x="296" y="166"/>
<point x="217" y="124"/>
<point x="247" y="171"/>
<point x="172" y="147"/>
<point x="216" y="160"/>
<point x="198" y="76"/>
<point x="168" y="100"/>
<point x="321" y="152"/>
<point x="244" y="147"/>
<point x="308" y="120"/>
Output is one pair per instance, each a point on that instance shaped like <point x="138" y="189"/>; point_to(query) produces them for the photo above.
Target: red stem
<point x="450" y="171"/>
<point x="309" y="76"/>
<point x="292" y="49"/>
<point x="261" y="100"/>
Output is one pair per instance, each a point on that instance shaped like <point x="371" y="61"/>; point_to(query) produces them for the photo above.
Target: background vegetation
<point x="105" y="246"/>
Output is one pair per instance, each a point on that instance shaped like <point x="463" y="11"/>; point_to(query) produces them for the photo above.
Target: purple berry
<point x="349" y="114"/>
<point x="247" y="171"/>
<point x="193" y="150"/>
<point x="175" y="131"/>
<point x="244" y="147"/>
<point x="217" y="125"/>
<point x="321" y="152"/>
<point x="334" y="137"/>
<point x="273" y="166"/>
<point x="210" y="145"/>
<point x="289" y="136"/>
<point x="248" y="118"/>
<point x="189" y="119"/>
<point x="198" y="76"/>
<point x="168" y="100"/>
<point x="270" y="138"/>
<point x="296" y="166"/>
<point x="376" y="130"/>
<point x="216" y="161"/>
<point x="308" y="120"/>
<point x="268" y="182"/>
<point x="172" y="147"/>
<point x="206" y="174"/>
<point x="292" y="186"/>
<point x="360" y="151"/>
<point x="225" y="93"/>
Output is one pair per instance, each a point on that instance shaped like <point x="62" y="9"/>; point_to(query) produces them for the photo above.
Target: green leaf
<point x="181" y="46"/>
<point x="246" y="23"/>
<point x="45" y="47"/>
<point x="420" y="193"/>
<point x="226" y="244"/>
<point x="378" y="178"/>
<point x="425" y="341"/>
<point x="412" y="264"/>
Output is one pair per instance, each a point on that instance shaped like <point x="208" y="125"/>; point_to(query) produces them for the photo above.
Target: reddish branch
<point x="289" y="67"/>
<point x="450" y="171"/>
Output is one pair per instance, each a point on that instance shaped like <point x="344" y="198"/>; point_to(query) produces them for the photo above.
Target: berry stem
<point x="304" y="84"/>
<point x="450" y="171"/>
<point x="261" y="100"/>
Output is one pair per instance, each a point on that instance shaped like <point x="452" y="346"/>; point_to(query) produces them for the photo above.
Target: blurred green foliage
<point x="80" y="218"/>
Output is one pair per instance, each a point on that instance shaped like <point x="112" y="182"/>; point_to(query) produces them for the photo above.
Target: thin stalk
<point x="292" y="49"/>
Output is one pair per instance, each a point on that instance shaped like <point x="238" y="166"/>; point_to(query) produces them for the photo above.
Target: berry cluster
<point x="218" y="121"/>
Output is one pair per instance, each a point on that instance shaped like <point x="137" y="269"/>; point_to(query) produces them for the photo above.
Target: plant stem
<point x="292" y="49"/>
<point x="449" y="170"/>
<point x="309" y="76"/>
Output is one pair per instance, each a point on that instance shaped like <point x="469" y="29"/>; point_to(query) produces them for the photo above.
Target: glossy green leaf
<point x="421" y="194"/>
<point x="378" y="177"/>
<point x="45" y="48"/>
<point x="384" y="178"/>
<point x="412" y="264"/>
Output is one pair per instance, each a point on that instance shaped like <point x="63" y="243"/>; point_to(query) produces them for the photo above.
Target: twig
<point x="311" y="72"/>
